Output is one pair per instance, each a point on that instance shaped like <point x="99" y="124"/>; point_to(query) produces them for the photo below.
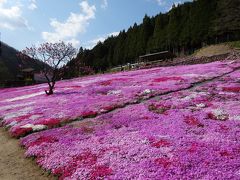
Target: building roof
<point x="154" y="54"/>
<point x="28" y="70"/>
<point x="157" y="56"/>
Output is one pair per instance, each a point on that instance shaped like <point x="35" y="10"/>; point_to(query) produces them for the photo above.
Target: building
<point x="40" y="78"/>
<point x="145" y="60"/>
<point x="27" y="74"/>
<point x="164" y="55"/>
<point x="31" y="76"/>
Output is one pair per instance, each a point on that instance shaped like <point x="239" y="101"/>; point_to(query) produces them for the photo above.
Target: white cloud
<point x="94" y="42"/>
<point x="161" y="2"/>
<point x="11" y="17"/>
<point x="169" y="4"/>
<point x="32" y="5"/>
<point x="113" y="34"/>
<point x="176" y="3"/>
<point x="72" y="27"/>
<point x="104" y="4"/>
<point x="74" y="42"/>
<point x="2" y="2"/>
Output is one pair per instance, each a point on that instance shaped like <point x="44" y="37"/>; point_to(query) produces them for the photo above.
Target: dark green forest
<point x="182" y="30"/>
<point x="10" y="64"/>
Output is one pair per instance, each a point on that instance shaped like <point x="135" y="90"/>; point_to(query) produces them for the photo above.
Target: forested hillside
<point x="11" y="65"/>
<point x="8" y="63"/>
<point x="182" y="30"/>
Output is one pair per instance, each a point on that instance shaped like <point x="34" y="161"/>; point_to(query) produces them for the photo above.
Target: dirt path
<point x="13" y="164"/>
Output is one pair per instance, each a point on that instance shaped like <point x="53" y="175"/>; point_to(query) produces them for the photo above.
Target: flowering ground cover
<point x="28" y="109"/>
<point x="188" y="134"/>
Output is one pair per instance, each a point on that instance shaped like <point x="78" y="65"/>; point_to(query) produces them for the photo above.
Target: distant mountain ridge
<point x="11" y="65"/>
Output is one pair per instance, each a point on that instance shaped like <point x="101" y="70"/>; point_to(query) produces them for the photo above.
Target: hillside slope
<point x="213" y="50"/>
<point x="182" y="30"/>
<point x="10" y="64"/>
<point x="179" y="122"/>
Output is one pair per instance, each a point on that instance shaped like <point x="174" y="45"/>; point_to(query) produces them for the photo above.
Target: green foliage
<point x="11" y="64"/>
<point x="227" y="17"/>
<point x="183" y="29"/>
<point x="235" y="44"/>
<point x="4" y="72"/>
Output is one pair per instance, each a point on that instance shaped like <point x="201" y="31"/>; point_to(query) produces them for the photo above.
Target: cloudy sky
<point x="81" y="22"/>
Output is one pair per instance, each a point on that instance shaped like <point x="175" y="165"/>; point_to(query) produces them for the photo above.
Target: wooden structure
<point x="40" y="78"/>
<point x="164" y="55"/>
<point x="146" y="60"/>
<point x="30" y="75"/>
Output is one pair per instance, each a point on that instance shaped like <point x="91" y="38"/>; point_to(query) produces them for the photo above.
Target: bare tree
<point x="54" y="56"/>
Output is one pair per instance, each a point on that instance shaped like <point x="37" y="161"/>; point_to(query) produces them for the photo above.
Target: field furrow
<point x="28" y="109"/>
<point x="188" y="134"/>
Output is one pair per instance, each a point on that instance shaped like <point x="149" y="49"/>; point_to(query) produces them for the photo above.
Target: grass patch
<point x="234" y="44"/>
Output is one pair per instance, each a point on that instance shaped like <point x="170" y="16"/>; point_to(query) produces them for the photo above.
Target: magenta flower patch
<point x="188" y="134"/>
<point x="28" y="109"/>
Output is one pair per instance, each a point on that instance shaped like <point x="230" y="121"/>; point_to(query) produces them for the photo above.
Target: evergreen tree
<point x="183" y="29"/>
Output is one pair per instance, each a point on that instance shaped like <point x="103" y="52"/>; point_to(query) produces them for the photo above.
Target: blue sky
<point x="81" y="22"/>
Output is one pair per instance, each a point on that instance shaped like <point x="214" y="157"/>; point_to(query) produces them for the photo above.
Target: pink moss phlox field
<point x="190" y="134"/>
<point x="28" y="109"/>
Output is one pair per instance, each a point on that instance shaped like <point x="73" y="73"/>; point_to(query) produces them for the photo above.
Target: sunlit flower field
<point x="180" y="122"/>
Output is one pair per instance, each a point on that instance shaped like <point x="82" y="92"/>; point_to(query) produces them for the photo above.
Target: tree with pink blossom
<point x="54" y="56"/>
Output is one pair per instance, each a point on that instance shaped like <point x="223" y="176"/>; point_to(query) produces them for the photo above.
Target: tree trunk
<point x="51" y="87"/>
<point x="51" y="83"/>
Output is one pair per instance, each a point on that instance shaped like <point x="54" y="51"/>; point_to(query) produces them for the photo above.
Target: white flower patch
<point x="3" y="108"/>
<point x="102" y="110"/>
<point x="67" y="88"/>
<point x="34" y="117"/>
<point x="236" y="118"/>
<point x="167" y="151"/>
<point x="114" y="92"/>
<point x="162" y="136"/>
<point x="59" y="115"/>
<point x="197" y="106"/>
<point x="220" y="114"/>
<point x="194" y="95"/>
<point x="232" y="62"/>
<point x="203" y="93"/>
<point x="24" y="97"/>
<point x="193" y="75"/>
<point x="211" y="137"/>
<point x="145" y="141"/>
<point x="147" y="91"/>
<point x="91" y="81"/>
<point x="22" y="112"/>
<point x="201" y="105"/>
<point x="12" y="124"/>
<point x="34" y="127"/>
<point x="225" y="93"/>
